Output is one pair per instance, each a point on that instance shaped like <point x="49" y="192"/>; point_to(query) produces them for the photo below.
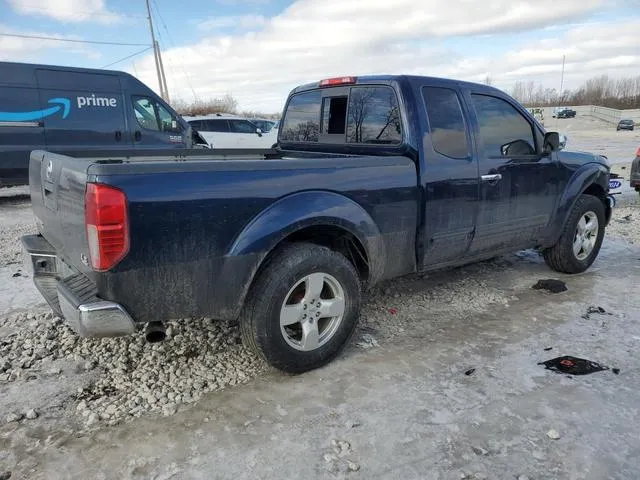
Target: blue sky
<point x="257" y="50"/>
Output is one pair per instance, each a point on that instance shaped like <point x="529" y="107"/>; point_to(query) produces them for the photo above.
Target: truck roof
<point x="387" y="79"/>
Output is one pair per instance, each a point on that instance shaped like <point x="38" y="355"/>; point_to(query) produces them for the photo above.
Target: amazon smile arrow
<point x="63" y="104"/>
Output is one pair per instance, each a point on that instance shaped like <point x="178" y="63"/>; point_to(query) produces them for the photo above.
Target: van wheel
<point x="302" y="309"/>
<point x="581" y="239"/>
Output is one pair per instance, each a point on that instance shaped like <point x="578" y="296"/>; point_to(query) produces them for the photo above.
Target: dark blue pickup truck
<point x="377" y="177"/>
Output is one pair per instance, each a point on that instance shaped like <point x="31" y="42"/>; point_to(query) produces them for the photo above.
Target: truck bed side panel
<point x="185" y="218"/>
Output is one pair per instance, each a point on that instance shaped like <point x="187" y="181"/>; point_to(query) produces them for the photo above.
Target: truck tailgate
<point x="57" y="184"/>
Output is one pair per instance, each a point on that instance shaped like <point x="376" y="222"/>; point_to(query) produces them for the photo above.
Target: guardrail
<point x="610" y="115"/>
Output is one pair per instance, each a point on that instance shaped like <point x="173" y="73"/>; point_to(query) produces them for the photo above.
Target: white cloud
<point x="314" y="39"/>
<point x="73" y="11"/>
<point x="246" y="22"/>
<point x="20" y="49"/>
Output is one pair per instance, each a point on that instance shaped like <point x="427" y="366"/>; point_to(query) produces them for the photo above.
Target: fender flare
<point x="298" y="211"/>
<point x="587" y="175"/>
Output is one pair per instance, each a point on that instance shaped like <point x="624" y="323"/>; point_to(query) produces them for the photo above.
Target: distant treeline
<point x="226" y="104"/>
<point x="622" y="93"/>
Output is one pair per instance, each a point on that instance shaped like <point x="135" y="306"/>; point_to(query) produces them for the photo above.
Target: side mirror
<point x="259" y="131"/>
<point x="563" y="141"/>
<point x="551" y="142"/>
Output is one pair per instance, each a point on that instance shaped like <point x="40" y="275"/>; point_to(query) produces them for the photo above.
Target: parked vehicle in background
<point x="625" y="124"/>
<point x="566" y="113"/>
<point x="538" y="114"/>
<point x="635" y="172"/>
<point x="263" y="124"/>
<point x="67" y="110"/>
<point x="379" y="177"/>
<point x="272" y="135"/>
<point x="229" y="131"/>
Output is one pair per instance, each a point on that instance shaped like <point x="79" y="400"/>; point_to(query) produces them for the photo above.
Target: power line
<point x="39" y="8"/>
<point x="38" y="37"/>
<point x="128" y="57"/>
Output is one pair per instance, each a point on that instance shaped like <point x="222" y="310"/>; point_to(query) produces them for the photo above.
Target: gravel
<point x="625" y="223"/>
<point x="131" y="377"/>
<point x="14" y="417"/>
<point x="10" y="246"/>
<point x="113" y="380"/>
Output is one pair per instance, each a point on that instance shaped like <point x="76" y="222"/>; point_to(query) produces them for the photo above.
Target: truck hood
<point x="578" y="159"/>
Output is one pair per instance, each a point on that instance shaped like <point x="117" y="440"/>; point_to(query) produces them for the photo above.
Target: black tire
<point x="561" y="256"/>
<point x="260" y="317"/>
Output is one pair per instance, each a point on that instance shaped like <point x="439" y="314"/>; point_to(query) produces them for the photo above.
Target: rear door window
<point x="446" y="122"/>
<point x="242" y="126"/>
<point x="220" y="126"/>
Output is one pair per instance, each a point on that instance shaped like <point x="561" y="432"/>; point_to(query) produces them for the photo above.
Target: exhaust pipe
<point x="155" y="332"/>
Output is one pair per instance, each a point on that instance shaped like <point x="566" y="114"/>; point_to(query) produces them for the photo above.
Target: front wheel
<point x="581" y="238"/>
<point x="303" y="308"/>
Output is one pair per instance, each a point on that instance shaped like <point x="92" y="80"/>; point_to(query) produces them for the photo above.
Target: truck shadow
<point x="18" y="199"/>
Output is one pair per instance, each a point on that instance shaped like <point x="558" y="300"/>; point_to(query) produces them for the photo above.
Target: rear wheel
<point x="303" y="308"/>
<point x="581" y="239"/>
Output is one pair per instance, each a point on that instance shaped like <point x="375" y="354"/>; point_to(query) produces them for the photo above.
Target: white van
<point x="230" y="131"/>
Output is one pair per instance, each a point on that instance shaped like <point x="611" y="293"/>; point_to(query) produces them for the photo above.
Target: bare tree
<point x="359" y="109"/>
<point x="623" y="93"/>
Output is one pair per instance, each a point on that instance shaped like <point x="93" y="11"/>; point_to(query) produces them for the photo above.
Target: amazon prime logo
<point x="62" y="105"/>
<point x="49" y="170"/>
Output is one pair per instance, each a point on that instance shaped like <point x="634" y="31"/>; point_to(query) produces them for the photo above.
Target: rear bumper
<point x="73" y="297"/>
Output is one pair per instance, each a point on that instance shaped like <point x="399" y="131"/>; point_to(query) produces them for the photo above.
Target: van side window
<point x="373" y="116"/>
<point x="446" y="122"/>
<point x="301" y="121"/>
<point x="154" y="116"/>
<point x="503" y="130"/>
<point x="168" y="122"/>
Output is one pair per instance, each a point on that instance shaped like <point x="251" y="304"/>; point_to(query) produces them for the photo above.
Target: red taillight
<point x="107" y="225"/>
<point x="329" y="82"/>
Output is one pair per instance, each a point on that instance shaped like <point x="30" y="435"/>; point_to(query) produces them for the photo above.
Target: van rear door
<point x="91" y="110"/>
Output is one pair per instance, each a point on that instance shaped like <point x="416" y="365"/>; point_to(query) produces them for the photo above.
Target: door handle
<point x="491" y="178"/>
<point x="137" y="135"/>
<point x="118" y="135"/>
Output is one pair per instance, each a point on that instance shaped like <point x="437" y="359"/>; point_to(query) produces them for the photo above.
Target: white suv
<point x="229" y="131"/>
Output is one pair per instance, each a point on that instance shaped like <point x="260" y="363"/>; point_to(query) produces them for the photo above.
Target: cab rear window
<point x="358" y="115"/>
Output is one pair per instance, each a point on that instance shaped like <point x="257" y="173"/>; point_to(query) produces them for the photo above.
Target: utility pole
<point x="164" y="78"/>
<point x="156" y="56"/>
<point x="562" y="77"/>
<point x="561" y="87"/>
